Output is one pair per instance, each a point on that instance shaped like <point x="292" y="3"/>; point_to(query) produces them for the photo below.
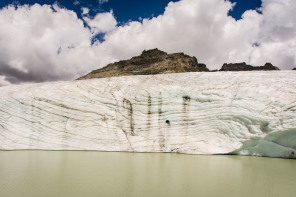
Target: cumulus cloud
<point x="85" y="11"/>
<point x="199" y="28"/>
<point x="101" y="23"/>
<point x="277" y="34"/>
<point x="46" y="43"/>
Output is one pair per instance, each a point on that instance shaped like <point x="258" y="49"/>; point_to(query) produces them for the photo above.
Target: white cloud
<point x="199" y="28"/>
<point x="85" y="11"/>
<point x="38" y="43"/>
<point x="102" y="22"/>
<point x="3" y="81"/>
<point x="277" y="34"/>
<point x="203" y="29"/>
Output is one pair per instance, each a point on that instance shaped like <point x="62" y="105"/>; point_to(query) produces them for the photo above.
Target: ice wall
<point x="249" y="113"/>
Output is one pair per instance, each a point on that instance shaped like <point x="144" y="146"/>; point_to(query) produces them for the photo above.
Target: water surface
<point x="81" y="173"/>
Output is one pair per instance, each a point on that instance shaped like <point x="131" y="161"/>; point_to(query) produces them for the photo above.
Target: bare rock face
<point x="245" y="67"/>
<point x="150" y="62"/>
<point x="236" y="67"/>
<point x="294" y="69"/>
<point x="267" y="66"/>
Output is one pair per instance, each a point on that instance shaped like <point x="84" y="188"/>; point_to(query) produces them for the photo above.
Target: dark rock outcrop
<point x="267" y="66"/>
<point x="245" y="67"/>
<point x="294" y="69"/>
<point x="150" y="62"/>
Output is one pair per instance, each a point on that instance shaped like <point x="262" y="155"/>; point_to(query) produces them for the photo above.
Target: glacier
<point x="246" y="113"/>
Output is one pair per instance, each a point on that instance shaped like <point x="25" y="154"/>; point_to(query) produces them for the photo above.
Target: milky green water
<point x="79" y="173"/>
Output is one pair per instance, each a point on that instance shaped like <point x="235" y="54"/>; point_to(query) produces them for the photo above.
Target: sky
<point x="53" y="40"/>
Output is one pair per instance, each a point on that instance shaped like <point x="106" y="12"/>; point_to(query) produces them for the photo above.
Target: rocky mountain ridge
<point x="155" y="61"/>
<point x="245" y="67"/>
<point x="149" y="63"/>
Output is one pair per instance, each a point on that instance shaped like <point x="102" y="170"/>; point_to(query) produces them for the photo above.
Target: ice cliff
<point x="248" y="113"/>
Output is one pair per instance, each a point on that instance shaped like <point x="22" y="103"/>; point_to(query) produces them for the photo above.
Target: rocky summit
<point x="150" y="62"/>
<point x="155" y="61"/>
<point x="245" y="67"/>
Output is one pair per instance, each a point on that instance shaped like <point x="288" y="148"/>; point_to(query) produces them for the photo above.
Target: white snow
<point x="248" y="113"/>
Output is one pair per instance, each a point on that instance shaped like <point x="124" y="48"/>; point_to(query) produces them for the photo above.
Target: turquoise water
<point x="81" y="173"/>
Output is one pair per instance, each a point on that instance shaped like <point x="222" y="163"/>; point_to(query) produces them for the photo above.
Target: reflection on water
<point x="79" y="173"/>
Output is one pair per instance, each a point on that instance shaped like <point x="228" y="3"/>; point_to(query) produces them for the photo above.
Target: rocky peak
<point x="155" y="61"/>
<point x="267" y="66"/>
<point x="245" y="67"/>
<point x="150" y="62"/>
<point x="152" y="53"/>
<point x="236" y="67"/>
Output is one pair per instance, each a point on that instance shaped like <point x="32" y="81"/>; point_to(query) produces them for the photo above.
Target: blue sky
<point x="129" y="9"/>
<point x="50" y="40"/>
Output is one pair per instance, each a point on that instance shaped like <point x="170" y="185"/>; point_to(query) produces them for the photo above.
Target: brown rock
<point x="149" y="63"/>
<point x="267" y="66"/>
<point x="245" y="67"/>
<point x="236" y="67"/>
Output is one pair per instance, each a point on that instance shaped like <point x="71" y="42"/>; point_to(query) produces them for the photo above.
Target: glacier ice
<point x="247" y="113"/>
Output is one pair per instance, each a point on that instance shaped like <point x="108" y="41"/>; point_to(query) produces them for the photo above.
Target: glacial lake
<point x="97" y="174"/>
